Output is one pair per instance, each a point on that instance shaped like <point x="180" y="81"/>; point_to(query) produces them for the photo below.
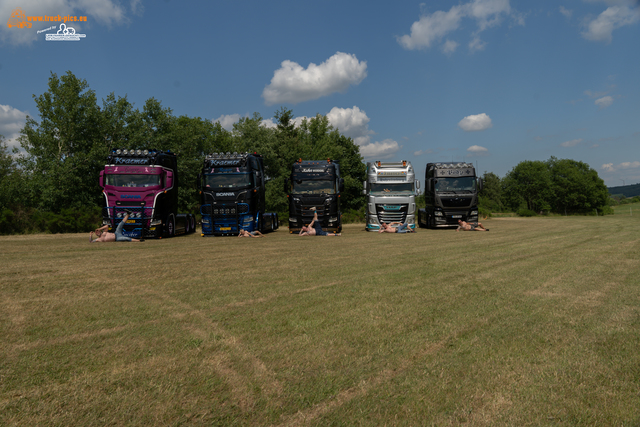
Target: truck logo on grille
<point x="225" y="194"/>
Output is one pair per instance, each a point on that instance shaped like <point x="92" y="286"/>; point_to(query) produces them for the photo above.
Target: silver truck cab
<point x="391" y="194"/>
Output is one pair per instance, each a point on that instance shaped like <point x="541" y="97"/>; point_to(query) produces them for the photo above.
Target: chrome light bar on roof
<point x="227" y="155"/>
<point x="139" y="153"/>
<point x="454" y="165"/>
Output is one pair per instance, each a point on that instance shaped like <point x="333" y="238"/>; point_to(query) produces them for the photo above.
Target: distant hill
<point x="625" y="190"/>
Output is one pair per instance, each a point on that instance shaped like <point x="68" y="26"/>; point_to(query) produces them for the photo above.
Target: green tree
<point x="528" y="185"/>
<point x="65" y="149"/>
<point x="12" y="189"/>
<point x="491" y="194"/>
<point x="577" y="187"/>
<point x="192" y="139"/>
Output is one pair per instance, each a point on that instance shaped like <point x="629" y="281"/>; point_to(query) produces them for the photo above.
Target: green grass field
<point x="536" y="322"/>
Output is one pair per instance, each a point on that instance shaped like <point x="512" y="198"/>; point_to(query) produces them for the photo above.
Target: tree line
<point x="52" y="185"/>
<point x="533" y="187"/>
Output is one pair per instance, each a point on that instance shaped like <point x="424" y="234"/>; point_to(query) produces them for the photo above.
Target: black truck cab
<point x="314" y="184"/>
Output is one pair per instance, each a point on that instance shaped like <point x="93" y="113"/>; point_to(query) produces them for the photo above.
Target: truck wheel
<point x="192" y="222"/>
<point x="170" y="225"/>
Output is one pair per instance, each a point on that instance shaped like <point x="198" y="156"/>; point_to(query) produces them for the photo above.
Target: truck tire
<point x="192" y="223"/>
<point x="170" y="225"/>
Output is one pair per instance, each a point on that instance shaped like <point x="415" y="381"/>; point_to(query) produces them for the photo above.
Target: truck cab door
<point x="168" y="180"/>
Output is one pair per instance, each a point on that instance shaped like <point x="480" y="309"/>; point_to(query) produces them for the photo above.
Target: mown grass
<point x="536" y="322"/>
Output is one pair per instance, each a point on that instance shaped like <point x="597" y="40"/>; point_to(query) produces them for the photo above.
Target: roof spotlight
<point x="118" y="151"/>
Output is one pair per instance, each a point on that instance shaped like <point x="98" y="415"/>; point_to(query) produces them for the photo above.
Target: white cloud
<point x="421" y="152"/>
<point x="614" y="17"/>
<point x="379" y="150"/>
<point x="227" y="121"/>
<point x="449" y="47"/>
<point x="269" y="123"/>
<point x="571" y="143"/>
<point x="106" y="12"/>
<point x="604" y="102"/>
<point x="432" y="28"/>
<point x="475" y="123"/>
<point x="476" y="45"/>
<point x="12" y="121"/>
<point x="488" y="13"/>
<point x="609" y="167"/>
<point x="351" y="122"/>
<point x="354" y="123"/>
<point x="566" y="12"/>
<point x="292" y="83"/>
<point x="477" y="150"/>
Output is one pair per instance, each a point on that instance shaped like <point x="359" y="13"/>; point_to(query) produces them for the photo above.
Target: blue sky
<point x="495" y="82"/>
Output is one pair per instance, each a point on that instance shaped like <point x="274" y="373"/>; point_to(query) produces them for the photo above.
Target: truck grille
<point x="456" y="202"/>
<point x="392" y="212"/>
<point x="224" y="209"/>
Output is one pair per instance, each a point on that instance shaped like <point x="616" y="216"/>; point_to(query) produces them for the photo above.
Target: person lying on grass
<point x="395" y="227"/>
<point x="245" y="233"/>
<point x="470" y="226"/>
<point x="315" y="229"/>
<point x="103" y="235"/>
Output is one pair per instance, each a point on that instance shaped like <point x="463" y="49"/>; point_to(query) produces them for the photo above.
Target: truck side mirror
<point x="417" y="184"/>
<point x="480" y="184"/>
<point x="364" y="187"/>
<point x="341" y="185"/>
<point x="199" y="182"/>
<point x="286" y="185"/>
<point x="101" y="181"/>
<point x="169" y="181"/>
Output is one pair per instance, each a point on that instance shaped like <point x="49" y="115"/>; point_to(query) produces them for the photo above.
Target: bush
<point x="525" y="212"/>
<point x="484" y="212"/>
<point x="353" y="216"/>
<point x="606" y="210"/>
<point x="35" y="221"/>
<point x="7" y="219"/>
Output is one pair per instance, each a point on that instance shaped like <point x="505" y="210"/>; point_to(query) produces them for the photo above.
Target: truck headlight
<point x="292" y="219"/>
<point x="437" y="213"/>
<point x="474" y="213"/>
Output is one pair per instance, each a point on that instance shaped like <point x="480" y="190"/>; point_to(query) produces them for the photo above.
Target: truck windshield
<point x="314" y="187"/>
<point x="133" y="180"/>
<point x="402" y="188"/>
<point x="456" y="185"/>
<point x="228" y="180"/>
